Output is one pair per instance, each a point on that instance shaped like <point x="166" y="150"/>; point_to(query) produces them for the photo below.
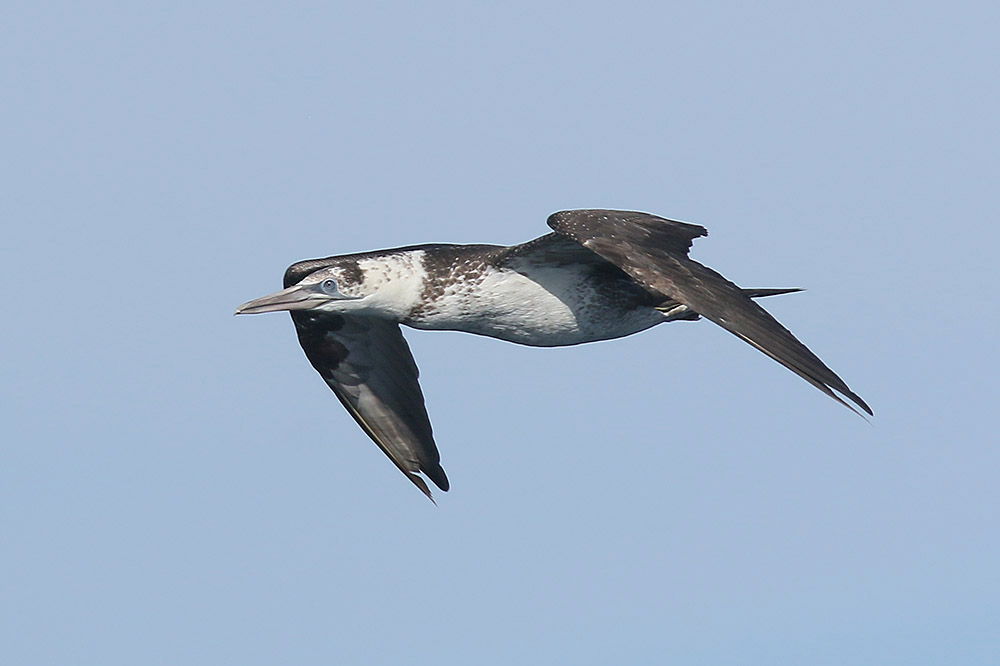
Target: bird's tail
<point x="761" y="293"/>
<point x="675" y="311"/>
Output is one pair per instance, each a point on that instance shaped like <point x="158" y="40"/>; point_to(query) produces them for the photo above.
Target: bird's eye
<point x="329" y="286"/>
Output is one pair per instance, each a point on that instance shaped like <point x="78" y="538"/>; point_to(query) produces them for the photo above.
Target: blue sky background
<point x="178" y="486"/>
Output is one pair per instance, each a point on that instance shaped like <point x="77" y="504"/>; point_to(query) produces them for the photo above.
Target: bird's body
<point x="483" y="289"/>
<point x="601" y="275"/>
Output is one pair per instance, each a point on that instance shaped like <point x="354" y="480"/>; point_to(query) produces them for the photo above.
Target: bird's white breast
<point x="394" y="283"/>
<point x="542" y="306"/>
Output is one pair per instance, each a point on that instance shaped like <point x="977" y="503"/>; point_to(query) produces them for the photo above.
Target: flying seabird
<point x="602" y="274"/>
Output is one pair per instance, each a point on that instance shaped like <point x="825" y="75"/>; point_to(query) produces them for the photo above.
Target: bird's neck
<point x="396" y="283"/>
<point x="404" y="283"/>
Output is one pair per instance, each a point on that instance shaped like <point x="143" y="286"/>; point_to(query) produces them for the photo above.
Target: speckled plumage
<point x="601" y="275"/>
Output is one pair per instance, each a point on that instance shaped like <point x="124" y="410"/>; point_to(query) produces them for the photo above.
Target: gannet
<point x="601" y="274"/>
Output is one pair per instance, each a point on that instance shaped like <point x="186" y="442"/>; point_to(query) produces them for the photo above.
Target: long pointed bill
<point x="299" y="297"/>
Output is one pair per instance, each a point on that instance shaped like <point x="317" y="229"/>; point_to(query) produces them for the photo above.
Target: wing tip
<point x="435" y="474"/>
<point x="421" y="485"/>
<point x="859" y="404"/>
<point x="856" y="399"/>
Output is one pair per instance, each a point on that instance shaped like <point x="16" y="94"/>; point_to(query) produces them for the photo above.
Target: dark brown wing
<point x="653" y="251"/>
<point x="550" y="249"/>
<point x="369" y="366"/>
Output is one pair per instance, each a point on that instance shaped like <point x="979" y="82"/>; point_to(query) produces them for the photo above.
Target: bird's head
<point x="330" y="289"/>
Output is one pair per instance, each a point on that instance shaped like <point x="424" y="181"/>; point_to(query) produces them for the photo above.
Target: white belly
<point x="555" y="307"/>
